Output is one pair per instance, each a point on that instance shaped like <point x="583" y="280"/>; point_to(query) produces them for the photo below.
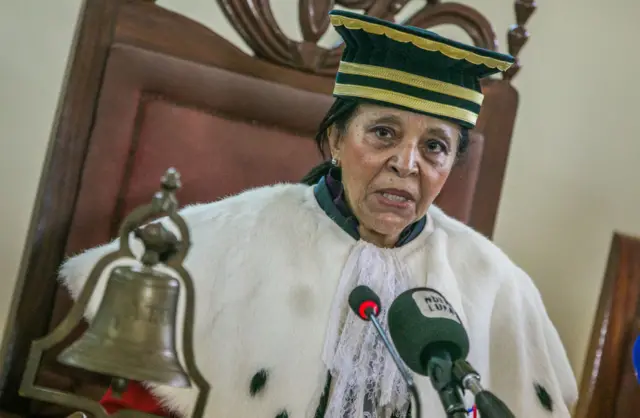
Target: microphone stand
<point x="488" y="404"/>
<point x="440" y="371"/>
<point x="406" y="376"/>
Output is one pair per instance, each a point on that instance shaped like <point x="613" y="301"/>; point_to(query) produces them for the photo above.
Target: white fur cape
<point x="265" y="264"/>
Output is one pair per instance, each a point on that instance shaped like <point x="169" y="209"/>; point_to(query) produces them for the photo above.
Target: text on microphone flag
<point x="433" y="305"/>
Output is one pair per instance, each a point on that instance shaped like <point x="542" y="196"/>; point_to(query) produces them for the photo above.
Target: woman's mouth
<point x="396" y="198"/>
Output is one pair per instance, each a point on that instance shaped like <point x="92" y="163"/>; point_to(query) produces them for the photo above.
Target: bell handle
<point x="140" y="216"/>
<point x="164" y="202"/>
<point x="175" y="261"/>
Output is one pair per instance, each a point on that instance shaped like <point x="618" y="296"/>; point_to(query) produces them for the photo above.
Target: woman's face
<point x="394" y="164"/>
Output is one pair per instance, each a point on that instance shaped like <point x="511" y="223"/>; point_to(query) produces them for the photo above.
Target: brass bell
<point x="133" y="333"/>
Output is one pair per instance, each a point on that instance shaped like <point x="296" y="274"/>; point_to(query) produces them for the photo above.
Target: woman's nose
<point x="405" y="161"/>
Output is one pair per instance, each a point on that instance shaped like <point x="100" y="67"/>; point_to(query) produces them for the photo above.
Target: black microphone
<point x="432" y="341"/>
<point x="429" y="337"/>
<point x="366" y="304"/>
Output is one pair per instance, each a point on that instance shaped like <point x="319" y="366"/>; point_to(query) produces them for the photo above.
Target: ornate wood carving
<point x="518" y="35"/>
<point x="256" y="24"/>
<point x="470" y="20"/>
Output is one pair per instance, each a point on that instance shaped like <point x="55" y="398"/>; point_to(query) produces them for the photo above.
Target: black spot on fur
<point x="258" y="382"/>
<point x="283" y="414"/>
<point x="320" y="412"/>
<point x="544" y="397"/>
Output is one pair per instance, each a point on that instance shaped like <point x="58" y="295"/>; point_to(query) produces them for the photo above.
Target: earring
<point x="334" y="161"/>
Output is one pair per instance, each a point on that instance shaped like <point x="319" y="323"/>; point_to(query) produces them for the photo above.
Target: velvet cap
<point x="412" y="68"/>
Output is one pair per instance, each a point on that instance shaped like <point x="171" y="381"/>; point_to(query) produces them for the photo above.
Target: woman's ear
<point x="334" y="142"/>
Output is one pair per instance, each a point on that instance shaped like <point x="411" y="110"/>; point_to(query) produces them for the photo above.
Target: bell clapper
<point x="119" y="386"/>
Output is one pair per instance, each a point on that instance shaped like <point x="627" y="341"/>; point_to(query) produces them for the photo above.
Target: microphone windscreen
<point x="421" y="320"/>
<point x="636" y="358"/>
<point x="361" y="298"/>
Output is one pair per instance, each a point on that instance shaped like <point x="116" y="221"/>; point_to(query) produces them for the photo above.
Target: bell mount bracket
<point x="160" y="246"/>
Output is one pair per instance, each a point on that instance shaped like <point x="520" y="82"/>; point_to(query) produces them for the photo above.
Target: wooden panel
<point x="223" y="131"/>
<point x="496" y="122"/>
<point x="609" y="387"/>
<point x="457" y="196"/>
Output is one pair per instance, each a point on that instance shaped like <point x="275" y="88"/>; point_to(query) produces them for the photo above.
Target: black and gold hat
<point x="412" y="68"/>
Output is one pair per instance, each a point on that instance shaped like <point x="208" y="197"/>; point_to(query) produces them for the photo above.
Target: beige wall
<point x="573" y="172"/>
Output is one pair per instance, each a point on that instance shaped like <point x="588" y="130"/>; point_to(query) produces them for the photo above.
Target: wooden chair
<point x="609" y="387"/>
<point x="148" y="89"/>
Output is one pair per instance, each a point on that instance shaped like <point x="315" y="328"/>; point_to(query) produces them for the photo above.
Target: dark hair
<point x="338" y="116"/>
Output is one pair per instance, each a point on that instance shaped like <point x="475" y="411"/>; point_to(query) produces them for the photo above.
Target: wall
<point x="572" y="176"/>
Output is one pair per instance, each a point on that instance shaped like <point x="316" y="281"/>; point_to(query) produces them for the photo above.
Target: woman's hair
<point x="338" y="117"/>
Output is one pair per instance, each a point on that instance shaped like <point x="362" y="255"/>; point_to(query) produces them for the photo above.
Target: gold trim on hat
<point x="423" y="43"/>
<point x="404" y="100"/>
<point x="412" y="80"/>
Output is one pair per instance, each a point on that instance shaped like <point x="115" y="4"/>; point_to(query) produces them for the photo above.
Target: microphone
<point x="365" y="303"/>
<point x="636" y="358"/>
<point x="432" y="341"/>
<point x="429" y="337"/>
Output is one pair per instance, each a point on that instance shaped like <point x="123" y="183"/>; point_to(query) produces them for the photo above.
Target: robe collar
<point x="329" y="193"/>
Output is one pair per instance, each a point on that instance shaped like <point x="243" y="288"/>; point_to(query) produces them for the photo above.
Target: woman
<point x="273" y="266"/>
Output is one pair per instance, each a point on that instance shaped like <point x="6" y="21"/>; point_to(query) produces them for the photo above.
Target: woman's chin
<point x="389" y="224"/>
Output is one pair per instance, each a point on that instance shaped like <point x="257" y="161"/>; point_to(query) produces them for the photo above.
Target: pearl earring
<point x="334" y="161"/>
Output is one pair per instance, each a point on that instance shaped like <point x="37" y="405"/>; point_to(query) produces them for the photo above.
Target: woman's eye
<point x="435" y="146"/>
<point x="383" y="133"/>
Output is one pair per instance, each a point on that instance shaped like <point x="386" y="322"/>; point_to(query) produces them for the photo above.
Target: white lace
<point x="361" y="367"/>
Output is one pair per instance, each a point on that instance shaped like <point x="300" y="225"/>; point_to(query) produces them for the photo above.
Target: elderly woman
<point x="273" y="266"/>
